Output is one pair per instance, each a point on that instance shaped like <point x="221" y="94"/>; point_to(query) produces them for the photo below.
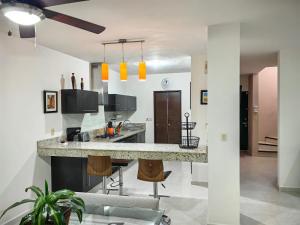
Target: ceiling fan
<point x="27" y="13"/>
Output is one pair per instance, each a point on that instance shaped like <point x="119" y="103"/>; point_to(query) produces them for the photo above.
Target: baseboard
<point x="288" y="189"/>
<point x="16" y="219"/>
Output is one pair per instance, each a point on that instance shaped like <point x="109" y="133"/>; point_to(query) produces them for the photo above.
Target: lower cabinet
<point x="71" y="173"/>
<point x="141" y="137"/>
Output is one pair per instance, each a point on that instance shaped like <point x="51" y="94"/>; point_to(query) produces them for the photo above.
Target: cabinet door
<point x="161" y="117"/>
<point x="69" y="102"/>
<point x="131" y="103"/>
<point x="121" y="103"/>
<point x="174" y="117"/>
<point x="88" y="102"/>
<point x="141" y="137"/>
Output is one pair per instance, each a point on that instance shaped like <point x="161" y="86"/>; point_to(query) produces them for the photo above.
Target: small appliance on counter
<point x="75" y="134"/>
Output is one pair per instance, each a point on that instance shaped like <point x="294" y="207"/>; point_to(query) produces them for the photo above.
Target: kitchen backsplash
<point x="87" y="122"/>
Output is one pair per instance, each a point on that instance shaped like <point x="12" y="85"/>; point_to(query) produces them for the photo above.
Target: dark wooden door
<point x="167" y="117"/>
<point x="244" y="120"/>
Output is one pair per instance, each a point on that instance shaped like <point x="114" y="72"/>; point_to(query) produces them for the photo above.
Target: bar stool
<point x="152" y="171"/>
<point x="100" y="166"/>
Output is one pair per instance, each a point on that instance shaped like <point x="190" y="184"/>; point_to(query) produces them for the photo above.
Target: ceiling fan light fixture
<point x="22" y="14"/>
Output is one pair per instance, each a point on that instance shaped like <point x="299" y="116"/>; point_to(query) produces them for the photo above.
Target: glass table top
<point x="120" y="216"/>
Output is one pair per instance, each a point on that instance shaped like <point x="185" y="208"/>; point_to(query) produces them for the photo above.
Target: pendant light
<point x="104" y="68"/>
<point x="123" y="67"/>
<point x="142" y="66"/>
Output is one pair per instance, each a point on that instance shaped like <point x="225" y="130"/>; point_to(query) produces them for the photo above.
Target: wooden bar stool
<point x="152" y="171"/>
<point x="100" y="166"/>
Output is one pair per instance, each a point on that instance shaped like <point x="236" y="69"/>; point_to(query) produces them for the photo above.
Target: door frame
<point x="154" y="108"/>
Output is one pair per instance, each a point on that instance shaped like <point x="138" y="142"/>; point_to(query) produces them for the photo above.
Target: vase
<point x="73" y="79"/>
<point x="62" y="82"/>
<point x="81" y="84"/>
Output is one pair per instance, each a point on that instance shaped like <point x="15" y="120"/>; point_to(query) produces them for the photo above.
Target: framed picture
<point x="50" y="101"/>
<point x="204" y="97"/>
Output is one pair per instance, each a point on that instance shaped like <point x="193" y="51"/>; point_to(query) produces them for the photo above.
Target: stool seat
<point x="120" y="162"/>
<point x="152" y="171"/>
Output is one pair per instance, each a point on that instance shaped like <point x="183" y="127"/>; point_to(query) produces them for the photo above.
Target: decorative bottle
<point x="82" y="84"/>
<point x="73" y="79"/>
<point x="62" y="82"/>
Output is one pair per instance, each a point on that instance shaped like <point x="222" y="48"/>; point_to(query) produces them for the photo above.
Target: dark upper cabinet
<point x="120" y="103"/>
<point x="79" y="101"/>
<point x="131" y="103"/>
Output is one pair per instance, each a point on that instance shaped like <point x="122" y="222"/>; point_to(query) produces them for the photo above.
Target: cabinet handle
<point x="89" y="110"/>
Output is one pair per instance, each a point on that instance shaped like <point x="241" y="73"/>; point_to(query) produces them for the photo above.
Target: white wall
<point x="24" y="73"/>
<point x="115" y="85"/>
<point x="223" y="124"/>
<point x="199" y="112"/>
<point x="143" y="90"/>
<point x="267" y="103"/>
<point x="289" y="122"/>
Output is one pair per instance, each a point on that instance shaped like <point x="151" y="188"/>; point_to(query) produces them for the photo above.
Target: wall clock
<point x="165" y="83"/>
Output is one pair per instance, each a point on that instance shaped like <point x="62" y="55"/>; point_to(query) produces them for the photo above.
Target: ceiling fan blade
<point x="75" y="22"/>
<point x="48" y="3"/>
<point x="27" y="31"/>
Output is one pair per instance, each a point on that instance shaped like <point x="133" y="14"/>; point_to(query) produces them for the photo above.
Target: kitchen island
<point x="134" y="151"/>
<point x="69" y="159"/>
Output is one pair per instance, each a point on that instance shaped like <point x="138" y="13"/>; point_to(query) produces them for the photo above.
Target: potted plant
<point x="52" y="208"/>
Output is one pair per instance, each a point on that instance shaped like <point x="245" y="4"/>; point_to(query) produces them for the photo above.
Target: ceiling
<point x="173" y="30"/>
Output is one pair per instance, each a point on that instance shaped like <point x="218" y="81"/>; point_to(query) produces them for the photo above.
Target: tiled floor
<point x="261" y="203"/>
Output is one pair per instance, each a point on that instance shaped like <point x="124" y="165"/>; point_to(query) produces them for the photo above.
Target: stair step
<point x="264" y="146"/>
<point x="267" y="143"/>
<point x="271" y="137"/>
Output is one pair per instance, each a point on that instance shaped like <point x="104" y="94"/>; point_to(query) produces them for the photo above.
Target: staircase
<point x="270" y="144"/>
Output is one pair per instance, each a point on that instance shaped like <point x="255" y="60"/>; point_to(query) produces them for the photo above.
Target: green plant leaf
<point x="79" y="213"/>
<point x="56" y="215"/>
<point x="15" y="205"/>
<point x="26" y="219"/>
<point x="78" y="201"/>
<point x="46" y="188"/>
<point x="62" y="194"/>
<point x="39" y="206"/>
<point x="36" y="190"/>
<point x="41" y="218"/>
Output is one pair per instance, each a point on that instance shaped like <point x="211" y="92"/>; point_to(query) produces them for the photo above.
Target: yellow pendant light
<point x="104" y="69"/>
<point x="142" y="66"/>
<point x="123" y="67"/>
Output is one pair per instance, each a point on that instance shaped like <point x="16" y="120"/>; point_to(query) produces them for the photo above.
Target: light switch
<point x="224" y="137"/>
<point x="52" y="131"/>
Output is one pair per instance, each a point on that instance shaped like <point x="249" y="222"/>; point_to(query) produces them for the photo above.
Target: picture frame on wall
<point x="50" y="101"/>
<point x="204" y="97"/>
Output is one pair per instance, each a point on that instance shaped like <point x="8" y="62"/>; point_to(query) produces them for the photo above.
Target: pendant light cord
<point x="142" y="52"/>
<point x="104" y="53"/>
<point x="123" y="52"/>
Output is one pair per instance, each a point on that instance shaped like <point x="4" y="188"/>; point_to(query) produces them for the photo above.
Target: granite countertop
<point x="133" y="151"/>
<point x="123" y="134"/>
